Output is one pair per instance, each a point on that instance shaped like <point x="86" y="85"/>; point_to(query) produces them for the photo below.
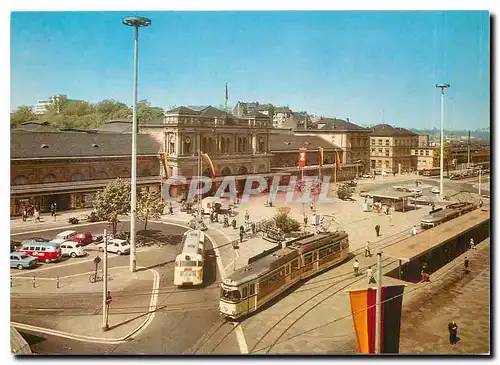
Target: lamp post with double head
<point x="136" y="22"/>
<point x="443" y="87"/>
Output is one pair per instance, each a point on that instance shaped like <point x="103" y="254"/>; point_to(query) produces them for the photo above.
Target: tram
<point x="189" y="264"/>
<point x="441" y="215"/>
<point x="250" y="287"/>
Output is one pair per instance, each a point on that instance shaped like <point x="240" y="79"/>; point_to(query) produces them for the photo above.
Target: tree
<point x="446" y="157"/>
<point x="283" y="221"/>
<point x="149" y="206"/>
<point x="112" y="201"/>
<point x="344" y="192"/>
<point x="146" y="112"/>
<point x="23" y="114"/>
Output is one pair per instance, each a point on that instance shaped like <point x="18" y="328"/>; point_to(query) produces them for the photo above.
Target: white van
<point x="64" y="236"/>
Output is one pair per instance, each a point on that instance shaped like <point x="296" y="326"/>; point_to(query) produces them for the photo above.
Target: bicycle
<point x="93" y="278"/>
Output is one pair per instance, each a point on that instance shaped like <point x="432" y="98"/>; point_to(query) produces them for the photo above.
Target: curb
<point x="115" y="341"/>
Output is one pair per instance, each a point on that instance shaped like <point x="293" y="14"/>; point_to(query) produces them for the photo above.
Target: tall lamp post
<point x="443" y="87"/>
<point x="136" y="22"/>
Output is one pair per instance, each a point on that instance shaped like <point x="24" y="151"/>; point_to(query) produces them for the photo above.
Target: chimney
<point x="347" y="120"/>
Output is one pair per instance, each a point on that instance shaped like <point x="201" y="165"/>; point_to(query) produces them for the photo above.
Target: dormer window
<point x="95" y="145"/>
<point x="44" y="145"/>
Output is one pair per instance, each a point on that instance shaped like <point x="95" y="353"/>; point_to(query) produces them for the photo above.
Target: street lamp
<point x="136" y="22"/>
<point x="443" y="87"/>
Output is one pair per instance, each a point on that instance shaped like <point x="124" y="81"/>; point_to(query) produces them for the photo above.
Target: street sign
<point x="97" y="260"/>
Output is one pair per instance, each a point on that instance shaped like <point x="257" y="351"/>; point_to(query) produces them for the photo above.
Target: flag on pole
<point x="164" y="160"/>
<point x="227" y="94"/>
<point x="210" y="163"/>
<point x="302" y="157"/>
<point x="363" y="307"/>
<point x="320" y="150"/>
<point x="338" y="165"/>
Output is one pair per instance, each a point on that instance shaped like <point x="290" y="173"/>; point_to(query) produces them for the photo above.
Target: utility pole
<point x="443" y="87"/>
<point x="105" y="284"/>
<point x="378" y="312"/>
<point x="468" y="152"/>
<point x="480" y="182"/>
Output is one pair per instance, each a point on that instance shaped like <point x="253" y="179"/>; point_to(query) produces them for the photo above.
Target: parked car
<point x="435" y="190"/>
<point x="402" y="188"/>
<point x="117" y="246"/>
<point x="64" y="236"/>
<point x="15" y="245"/>
<point x="416" y="191"/>
<point x="33" y="240"/>
<point x="367" y="176"/>
<point x="72" y="249"/>
<point x="83" y="237"/>
<point x="21" y="260"/>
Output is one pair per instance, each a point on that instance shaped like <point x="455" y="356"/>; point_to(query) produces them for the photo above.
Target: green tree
<point x="446" y="157"/>
<point x="146" y="112"/>
<point x="344" y="192"/>
<point x="113" y="201"/>
<point x="283" y="221"/>
<point x="149" y="206"/>
<point x="59" y="103"/>
<point x="23" y="114"/>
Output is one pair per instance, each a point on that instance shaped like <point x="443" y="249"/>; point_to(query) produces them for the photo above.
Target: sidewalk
<point x="47" y="221"/>
<point x="77" y="303"/>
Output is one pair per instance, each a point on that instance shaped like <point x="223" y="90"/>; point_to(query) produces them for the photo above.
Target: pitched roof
<point x="282" y="109"/>
<point x="202" y="110"/>
<point x="69" y="144"/>
<point x="389" y="130"/>
<point x="182" y="110"/>
<point x="327" y="124"/>
<point x="116" y="126"/>
<point x="291" y="142"/>
<point x="255" y="114"/>
<point x="35" y="126"/>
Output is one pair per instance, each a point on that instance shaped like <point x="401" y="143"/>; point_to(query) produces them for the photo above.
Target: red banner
<point x="302" y="157"/>
<point x="210" y="163"/>
<point x="338" y="165"/>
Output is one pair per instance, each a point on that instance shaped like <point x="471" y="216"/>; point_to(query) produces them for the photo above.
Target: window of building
<point x="386" y="163"/>
<point x="379" y="162"/>
<point x="427" y="152"/>
<point x="21" y="180"/>
<point x="387" y="152"/>
<point x="380" y="150"/>
<point x="373" y="141"/>
<point x="77" y="177"/>
<point x="380" y="142"/>
<point x="49" y="178"/>
<point x="387" y="142"/>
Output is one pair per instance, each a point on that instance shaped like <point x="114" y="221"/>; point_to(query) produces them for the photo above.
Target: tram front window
<point x="231" y="295"/>
<point x="188" y="263"/>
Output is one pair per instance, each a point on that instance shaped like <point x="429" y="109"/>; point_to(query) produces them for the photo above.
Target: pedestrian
<point x="466" y="265"/>
<point x="367" y="249"/>
<point x="433" y="205"/>
<point x="242" y="232"/>
<point x="253" y="227"/>
<point x="453" y="330"/>
<point x="37" y="215"/>
<point x="25" y="214"/>
<point x="425" y="277"/>
<point x="355" y="266"/>
<point x="377" y="229"/>
<point x="413" y="231"/>
<point x="472" y="245"/>
<point x="305" y="220"/>
<point x="233" y="223"/>
<point x="170" y="209"/>
<point x="390" y="219"/>
<point x="52" y="209"/>
<point x="480" y="203"/>
<point x="270" y="203"/>
<point x="369" y="275"/>
<point x="247" y="216"/>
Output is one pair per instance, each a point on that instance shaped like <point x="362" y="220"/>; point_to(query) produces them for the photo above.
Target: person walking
<point x="369" y="275"/>
<point x="466" y="265"/>
<point x="389" y="216"/>
<point x="37" y="215"/>
<point x="247" y="216"/>
<point x="453" y="330"/>
<point x="472" y="245"/>
<point x="480" y="203"/>
<point x="242" y="233"/>
<point x="25" y="214"/>
<point x="413" y="231"/>
<point x="52" y="209"/>
<point x="170" y="208"/>
<point x="367" y="249"/>
<point x="377" y="230"/>
<point x="305" y="220"/>
<point x="355" y="266"/>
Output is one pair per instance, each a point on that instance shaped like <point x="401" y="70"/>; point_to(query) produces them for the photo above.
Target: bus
<point x="431" y="172"/>
<point x="44" y="251"/>
<point x="189" y="264"/>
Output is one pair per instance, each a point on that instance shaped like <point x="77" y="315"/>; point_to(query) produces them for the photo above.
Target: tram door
<point x="244" y="303"/>
<point x="252" y="298"/>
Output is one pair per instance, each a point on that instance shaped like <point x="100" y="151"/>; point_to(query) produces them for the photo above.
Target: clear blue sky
<point x="336" y="64"/>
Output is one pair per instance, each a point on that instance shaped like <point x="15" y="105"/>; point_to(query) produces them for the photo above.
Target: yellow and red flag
<point x="338" y="165"/>
<point x="302" y="157"/>
<point x="320" y="151"/>
<point x="164" y="160"/>
<point x="363" y="307"/>
<point x="208" y="160"/>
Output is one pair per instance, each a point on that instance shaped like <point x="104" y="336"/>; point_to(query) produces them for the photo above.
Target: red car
<point x="83" y="237"/>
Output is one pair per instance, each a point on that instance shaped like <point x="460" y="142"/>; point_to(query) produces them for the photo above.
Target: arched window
<point x="102" y="175"/>
<point x="223" y="145"/>
<point x="245" y="145"/>
<point x="20" y="180"/>
<point x="77" y="177"/>
<point x="239" y="144"/>
<point x="228" y="145"/>
<point x="226" y="171"/>
<point x="49" y="178"/>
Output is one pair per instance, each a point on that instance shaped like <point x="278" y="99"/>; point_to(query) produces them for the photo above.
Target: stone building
<point x="352" y="139"/>
<point x="68" y="168"/>
<point x="237" y="146"/>
<point x="390" y="149"/>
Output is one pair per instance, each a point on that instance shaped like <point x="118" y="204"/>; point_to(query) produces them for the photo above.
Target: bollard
<point x="34" y="285"/>
<point x="57" y="282"/>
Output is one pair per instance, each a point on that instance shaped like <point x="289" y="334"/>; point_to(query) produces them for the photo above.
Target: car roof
<point x="83" y="232"/>
<point x="65" y="233"/>
<point x="116" y="240"/>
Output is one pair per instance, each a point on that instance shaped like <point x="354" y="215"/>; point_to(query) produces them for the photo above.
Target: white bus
<point x="189" y="264"/>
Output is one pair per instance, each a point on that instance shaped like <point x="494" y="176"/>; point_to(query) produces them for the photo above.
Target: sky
<point x="371" y="67"/>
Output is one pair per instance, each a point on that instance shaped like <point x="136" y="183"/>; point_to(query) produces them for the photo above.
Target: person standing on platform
<point x="377" y="230"/>
<point x="453" y="330"/>
<point x="472" y="245"/>
<point x="369" y="275"/>
<point x="367" y="249"/>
